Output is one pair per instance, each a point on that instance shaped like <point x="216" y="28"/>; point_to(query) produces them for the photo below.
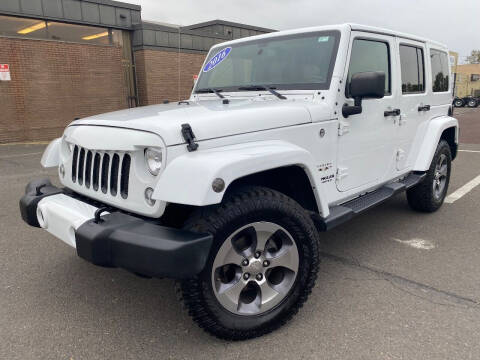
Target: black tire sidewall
<point x="239" y="212"/>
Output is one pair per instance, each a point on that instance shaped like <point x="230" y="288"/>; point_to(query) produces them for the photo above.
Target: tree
<point x="474" y="57"/>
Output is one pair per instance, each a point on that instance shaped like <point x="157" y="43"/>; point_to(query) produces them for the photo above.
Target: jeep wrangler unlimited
<point x="285" y="135"/>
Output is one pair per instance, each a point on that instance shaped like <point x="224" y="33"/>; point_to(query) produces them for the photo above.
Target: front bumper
<point x="116" y="239"/>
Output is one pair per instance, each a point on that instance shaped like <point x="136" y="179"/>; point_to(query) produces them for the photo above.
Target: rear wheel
<point x="472" y="103"/>
<point x="458" y="103"/>
<point x="262" y="266"/>
<point x="429" y="195"/>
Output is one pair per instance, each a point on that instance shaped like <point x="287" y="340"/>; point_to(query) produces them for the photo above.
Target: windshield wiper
<point x="210" y="90"/>
<point x="261" y="87"/>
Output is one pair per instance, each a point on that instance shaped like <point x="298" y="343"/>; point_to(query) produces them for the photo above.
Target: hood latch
<point x="189" y="137"/>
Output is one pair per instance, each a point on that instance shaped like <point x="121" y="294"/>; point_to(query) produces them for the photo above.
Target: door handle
<point x="394" y="112"/>
<point x="424" y="108"/>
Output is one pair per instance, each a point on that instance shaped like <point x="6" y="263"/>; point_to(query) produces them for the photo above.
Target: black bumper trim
<point x="35" y="191"/>
<point x="145" y="248"/>
<point x="125" y="241"/>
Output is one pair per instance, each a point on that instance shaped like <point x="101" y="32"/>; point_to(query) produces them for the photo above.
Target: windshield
<point x="300" y="61"/>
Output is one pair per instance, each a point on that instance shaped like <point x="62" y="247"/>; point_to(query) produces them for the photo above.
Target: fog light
<point x="148" y="196"/>
<point x="61" y="170"/>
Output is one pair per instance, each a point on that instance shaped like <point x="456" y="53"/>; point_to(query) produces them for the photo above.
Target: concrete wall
<point x="165" y="75"/>
<point x="54" y="82"/>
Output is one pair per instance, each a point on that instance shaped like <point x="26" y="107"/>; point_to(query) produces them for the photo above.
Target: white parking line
<point x="465" y="189"/>
<point x="417" y="243"/>
<point x="470" y="151"/>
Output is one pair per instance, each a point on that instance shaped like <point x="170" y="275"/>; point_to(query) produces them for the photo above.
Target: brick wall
<point x="55" y="82"/>
<point x="165" y="75"/>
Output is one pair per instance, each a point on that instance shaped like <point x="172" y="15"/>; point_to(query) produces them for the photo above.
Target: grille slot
<point x="114" y="175"/>
<point x="88" y="169"/>
<point x="105" y="166"/>
<point x="98" y="170"/>
<point x="125" y="176"/>
<point x="81" y="163"/>
<point x="74" y="163"/>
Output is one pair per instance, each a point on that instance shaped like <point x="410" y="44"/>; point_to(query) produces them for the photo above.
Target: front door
<point x="366" y="142"/>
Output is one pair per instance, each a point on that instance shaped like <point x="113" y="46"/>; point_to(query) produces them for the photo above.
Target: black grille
<point x="101" y="171"/>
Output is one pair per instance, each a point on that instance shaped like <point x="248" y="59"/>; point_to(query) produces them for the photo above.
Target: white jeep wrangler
<point x="285" y="135"/>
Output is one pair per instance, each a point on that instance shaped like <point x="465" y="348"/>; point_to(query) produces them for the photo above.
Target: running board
<point x="344" y="212"/>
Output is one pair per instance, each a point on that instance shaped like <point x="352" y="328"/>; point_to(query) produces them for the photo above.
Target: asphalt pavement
<point x="393" y="284"/>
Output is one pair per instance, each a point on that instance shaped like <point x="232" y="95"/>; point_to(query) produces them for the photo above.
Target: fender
<point x="188" y="178"/>
<point x="51" y="155"/>
<point x="432" y="136"/>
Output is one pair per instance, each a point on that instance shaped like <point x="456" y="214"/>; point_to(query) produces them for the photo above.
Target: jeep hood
<point x="209" y="119"/>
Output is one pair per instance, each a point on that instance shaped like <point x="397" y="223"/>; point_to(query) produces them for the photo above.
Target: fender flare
<point x="51" y="155"/>
<point x="188" y="178"/>
<point x="432" y="137"/>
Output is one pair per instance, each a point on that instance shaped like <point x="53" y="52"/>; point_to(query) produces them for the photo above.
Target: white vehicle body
<point x="293" y="133"/>
<point x="257" y="132"/>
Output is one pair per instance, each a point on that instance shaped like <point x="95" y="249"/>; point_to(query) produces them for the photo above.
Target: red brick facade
<point x="165" y="75"/>
<point x="55" y="82"/>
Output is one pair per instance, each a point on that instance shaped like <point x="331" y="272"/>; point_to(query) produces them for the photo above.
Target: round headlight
<point x="153" y="158"/>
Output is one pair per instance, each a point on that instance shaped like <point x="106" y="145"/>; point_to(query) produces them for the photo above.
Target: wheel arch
<point x="443" y="127"/>
<point x="188" y="179"/>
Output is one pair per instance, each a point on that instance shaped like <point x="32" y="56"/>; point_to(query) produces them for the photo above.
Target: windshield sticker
<point x="323" y="38"/>
<point x="217" y="59"/>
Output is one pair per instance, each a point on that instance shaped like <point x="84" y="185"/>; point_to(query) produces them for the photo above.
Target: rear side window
<point x="370" y="55"/>
<point x="413" y="69"/>
<point x="439" y="70"/>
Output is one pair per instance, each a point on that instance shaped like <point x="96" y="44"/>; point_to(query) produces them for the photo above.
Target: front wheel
<point x="458" y="103"/>
<point x="261" y="268"/>
<point x="429" y="195"/>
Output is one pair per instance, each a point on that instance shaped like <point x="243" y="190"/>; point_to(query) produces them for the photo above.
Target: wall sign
<point x="5" y="72"/>
<point x="217" y="59"/>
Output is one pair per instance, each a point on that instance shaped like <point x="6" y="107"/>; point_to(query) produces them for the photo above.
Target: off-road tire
<point x="244" y="206"/>
<point x="421" y="197"/>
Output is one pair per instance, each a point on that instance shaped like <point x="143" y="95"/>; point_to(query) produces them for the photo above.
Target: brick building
<point x="75" y="58"/>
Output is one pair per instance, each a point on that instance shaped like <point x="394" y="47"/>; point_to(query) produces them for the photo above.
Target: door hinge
<point x="400" y="155"/>
<point x="343" y="128"/>
<point x="342" y="172"/>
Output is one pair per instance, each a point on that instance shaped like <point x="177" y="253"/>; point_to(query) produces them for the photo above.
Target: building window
<point x="440" y="70"/>
<point x="412" y="63"/>
<point x="475" y="77"/>
<point x="40" y="29"/>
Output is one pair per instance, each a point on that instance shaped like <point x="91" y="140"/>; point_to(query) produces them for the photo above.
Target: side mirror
<point x="365" y="85"/>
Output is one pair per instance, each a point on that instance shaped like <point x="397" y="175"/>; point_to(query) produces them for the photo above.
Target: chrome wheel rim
<point x="440" y="176"/>
<point x="255" y="268"/>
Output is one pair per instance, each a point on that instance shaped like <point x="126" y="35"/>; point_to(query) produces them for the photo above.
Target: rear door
<point x="413" y="99"/>
<point x="366" y="142"/>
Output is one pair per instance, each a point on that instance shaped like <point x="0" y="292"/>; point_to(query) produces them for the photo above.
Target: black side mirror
<point x="365" y="85"/>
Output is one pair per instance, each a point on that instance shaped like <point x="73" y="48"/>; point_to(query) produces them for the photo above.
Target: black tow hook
<point x="98" y="213"/>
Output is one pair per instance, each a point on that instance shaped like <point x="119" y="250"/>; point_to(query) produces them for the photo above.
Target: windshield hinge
<point x="343" y="128"/>
<point x="189" y="137"/>
<point x="342" y="172"/>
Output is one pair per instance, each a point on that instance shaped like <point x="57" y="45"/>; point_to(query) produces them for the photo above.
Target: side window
<point x="413" y="69"/>
<point x="439" y="70"/>
<point x="370" y="55"/>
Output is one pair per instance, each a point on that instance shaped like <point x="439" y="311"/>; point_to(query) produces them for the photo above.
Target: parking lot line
<point x="465" y="189"/>
<point x="470" y="151"/>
